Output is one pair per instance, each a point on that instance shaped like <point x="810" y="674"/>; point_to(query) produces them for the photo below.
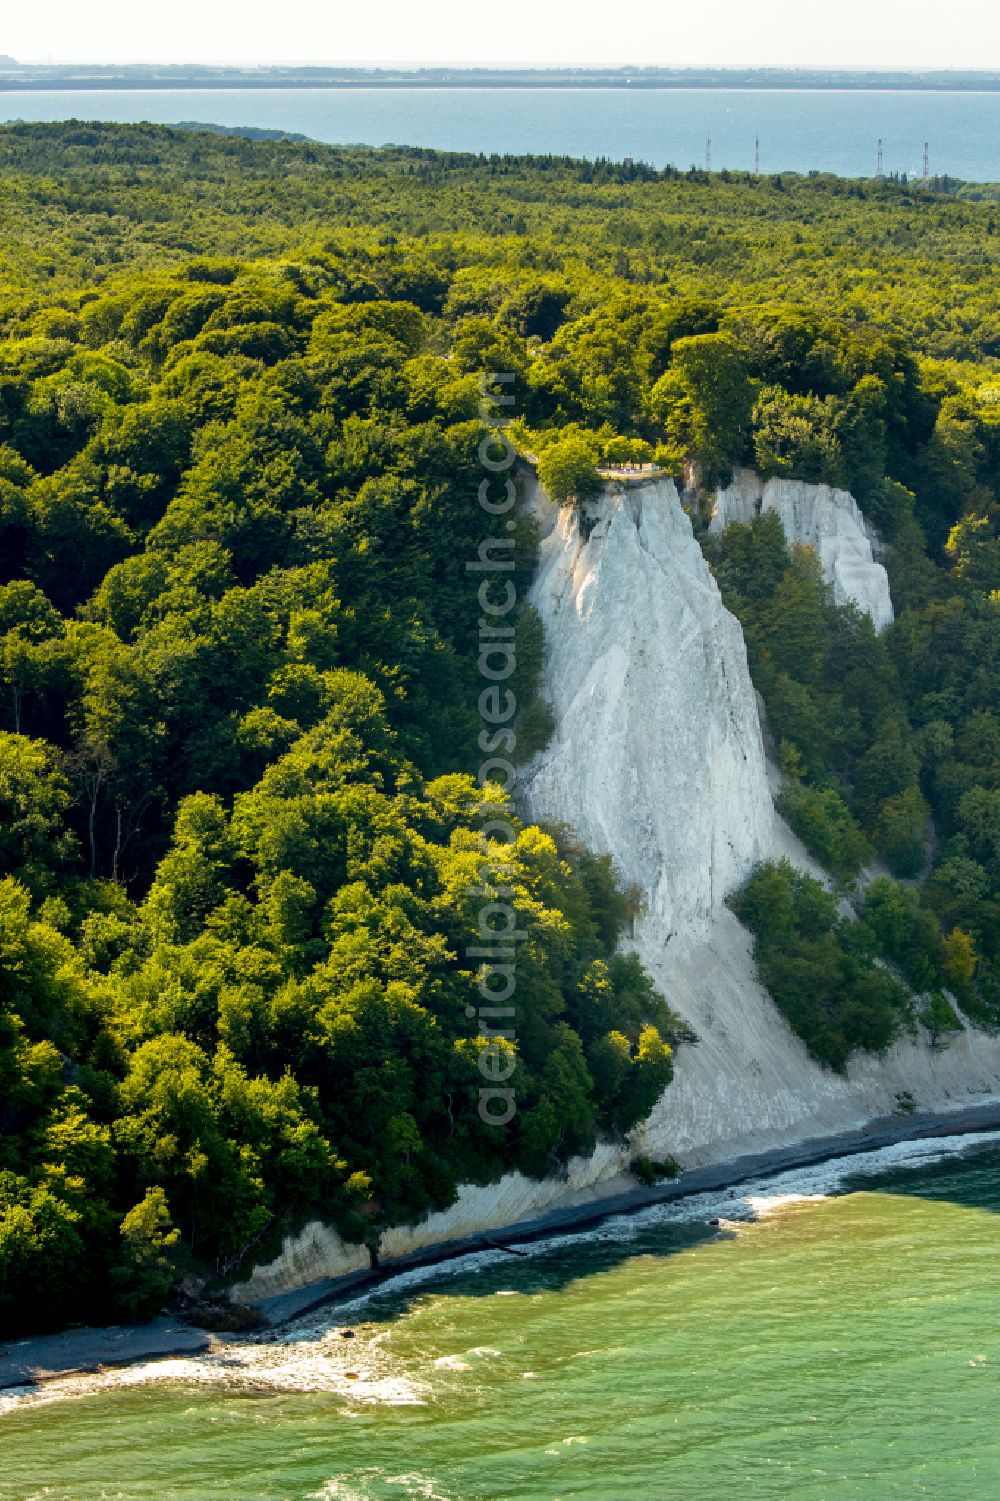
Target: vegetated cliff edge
<point x="817" y="516"/>
<point x="657" y="758"/>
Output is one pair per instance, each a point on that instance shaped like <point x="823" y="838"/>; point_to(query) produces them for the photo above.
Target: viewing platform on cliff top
<point x="631" y="474"/>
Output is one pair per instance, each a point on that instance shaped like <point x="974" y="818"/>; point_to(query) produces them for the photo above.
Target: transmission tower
<point x="927" y="166"/>
<point x="880" y="174"/>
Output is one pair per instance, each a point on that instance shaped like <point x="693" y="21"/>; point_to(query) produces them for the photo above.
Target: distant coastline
<point x="17" y="77"/>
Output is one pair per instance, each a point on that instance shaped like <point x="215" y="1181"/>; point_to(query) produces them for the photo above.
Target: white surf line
<point x="309" y="1355"/>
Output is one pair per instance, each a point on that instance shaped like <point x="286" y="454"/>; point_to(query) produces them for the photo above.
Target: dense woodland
<point x="240" y="407"/>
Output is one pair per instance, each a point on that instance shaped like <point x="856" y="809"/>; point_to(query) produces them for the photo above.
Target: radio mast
<point x="756" y="155"/>
<point x="927" y="166"/>
<point x="708" y="155"/>
<point x="879" y="174"/>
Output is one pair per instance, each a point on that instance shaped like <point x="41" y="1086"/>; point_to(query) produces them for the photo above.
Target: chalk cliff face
<point x="657" y="755"/>
<point x="657" y="759"/>
<point x="824" y="519"/>
<point x="318" y="1251"/>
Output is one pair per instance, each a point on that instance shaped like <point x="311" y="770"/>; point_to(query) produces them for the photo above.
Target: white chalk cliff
<point x="669" y="778"/>
<point x="656" y="756"/>
<point x="657" y="759"/>
<point x="827" y="520"/>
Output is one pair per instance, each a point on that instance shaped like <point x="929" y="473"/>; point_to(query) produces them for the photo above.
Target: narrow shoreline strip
<point x="30" y="1361"/>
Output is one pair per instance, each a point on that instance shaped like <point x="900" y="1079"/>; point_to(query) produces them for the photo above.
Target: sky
<point x="848" y="33"/>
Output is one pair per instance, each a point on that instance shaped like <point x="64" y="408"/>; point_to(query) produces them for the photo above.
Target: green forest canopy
<point x="239" y="419"/>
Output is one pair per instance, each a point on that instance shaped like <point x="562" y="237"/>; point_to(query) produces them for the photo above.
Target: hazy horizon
<point x="510" y="65"/>
<point x="775" y="33"/>
<point x="389" y="64"/>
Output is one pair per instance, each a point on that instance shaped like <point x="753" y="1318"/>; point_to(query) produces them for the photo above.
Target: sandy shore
<point x="27" y="1361"/>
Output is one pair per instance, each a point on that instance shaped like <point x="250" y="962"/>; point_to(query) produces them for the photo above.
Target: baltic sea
<point x="799" y="130"/>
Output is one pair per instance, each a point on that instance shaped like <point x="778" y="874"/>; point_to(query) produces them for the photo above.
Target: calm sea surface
<point x="799" y="130"/>
<point x="844" y="1345"/>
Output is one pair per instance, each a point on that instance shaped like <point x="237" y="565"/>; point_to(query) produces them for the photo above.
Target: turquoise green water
<point x="836" y="1349"/>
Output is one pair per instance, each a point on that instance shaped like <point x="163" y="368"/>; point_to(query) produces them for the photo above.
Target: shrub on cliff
<point x="823" y="822"/>
<point x="568" y="470"/>
<point x="835" y="997"/>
